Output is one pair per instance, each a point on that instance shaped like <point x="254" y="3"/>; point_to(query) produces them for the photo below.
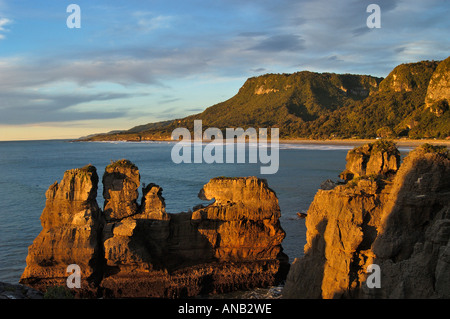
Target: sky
<point x="136" y="61"/>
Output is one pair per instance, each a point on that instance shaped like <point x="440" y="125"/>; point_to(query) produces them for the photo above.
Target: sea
<point x="28" y="168"/>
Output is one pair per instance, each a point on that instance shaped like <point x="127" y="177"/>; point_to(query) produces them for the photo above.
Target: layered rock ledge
<point x="130" y="249"/>
<point x="394" y="216"/>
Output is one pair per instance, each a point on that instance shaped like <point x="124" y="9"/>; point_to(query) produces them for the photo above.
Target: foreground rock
<point x="71" y="225"/>
<point x="9" y="291"/>
<point x="400" y="222"/>
<point x="140" y="250"/>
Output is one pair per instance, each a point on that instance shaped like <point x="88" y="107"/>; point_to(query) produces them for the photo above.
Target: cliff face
<point x="398" y="222"/>
<point x="143" y="251"/>
<point x="71" y="225"/>
<point x="246" y="217"/>
<point x="281" y="100"/>
<point x="438" y="92"/>
<point x="413" y="246"/>
<point x="409" y="76"/>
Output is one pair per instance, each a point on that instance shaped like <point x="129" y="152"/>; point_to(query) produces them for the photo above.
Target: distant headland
<point x="409" y="105"/>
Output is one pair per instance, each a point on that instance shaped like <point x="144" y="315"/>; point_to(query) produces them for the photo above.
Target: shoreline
<point x="358" y="142"/>
<point x="343" y="142"/>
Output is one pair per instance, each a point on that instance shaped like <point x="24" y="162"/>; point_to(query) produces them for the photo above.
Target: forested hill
<point x="412" y="101"/>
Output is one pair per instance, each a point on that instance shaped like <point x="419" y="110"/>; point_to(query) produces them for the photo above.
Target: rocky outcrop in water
<point x="139" y="250"/>
<point x="71" y="225"/>
<point x="399" y="222"/>
<point x="374" y="159"/>
<point x="121" y="182"/>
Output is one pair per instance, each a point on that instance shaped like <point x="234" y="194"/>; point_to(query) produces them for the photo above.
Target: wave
<point x="281" y="146"/>
<point x="323" y="147"/>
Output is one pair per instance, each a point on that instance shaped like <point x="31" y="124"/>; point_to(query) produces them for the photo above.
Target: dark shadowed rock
<point x="328" y="185"/>
<point x="9" y="291"/>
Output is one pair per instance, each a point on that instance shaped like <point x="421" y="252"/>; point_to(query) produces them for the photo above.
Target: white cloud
<point x="3" y="23"/>
<point x="147" y="21"/>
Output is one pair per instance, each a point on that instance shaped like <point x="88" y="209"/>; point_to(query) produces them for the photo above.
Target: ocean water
<point x="28" y="168"/>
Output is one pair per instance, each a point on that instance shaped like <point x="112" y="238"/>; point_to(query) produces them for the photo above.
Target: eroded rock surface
<point x="121" y="181"/>
<point x="71" y="227"/>
<point x="372" y="159"/>
<point x="140" y="250"/>
<point x="438" y="92"/>
<point x="400" y="222"/>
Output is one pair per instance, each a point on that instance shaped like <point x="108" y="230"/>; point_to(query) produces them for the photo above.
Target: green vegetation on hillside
<point x="440" y="150"/>
<point x="123" y="163"/>
<point x="323" y="106"/>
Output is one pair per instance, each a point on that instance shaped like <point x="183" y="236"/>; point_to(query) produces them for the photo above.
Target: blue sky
<point x="134" y="62"/>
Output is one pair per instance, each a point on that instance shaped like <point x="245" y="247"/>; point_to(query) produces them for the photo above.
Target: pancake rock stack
<point x="139" y="250"/>
<point x="396" y="217"/>
<point x="71" y="228"/>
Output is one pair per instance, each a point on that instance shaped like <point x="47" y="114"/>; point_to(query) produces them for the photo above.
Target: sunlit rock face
<point x="71" y="227"/>
<point x="438" y="92"/>
<point x="400" y="222"/>
<point x="140" y="250"/>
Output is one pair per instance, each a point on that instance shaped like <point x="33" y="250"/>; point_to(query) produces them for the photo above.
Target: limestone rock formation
<point x="377" y="158"/>
<point x="413" y="244"/>
<point x="120" y="189"/>
<point x="400" y="223"/>
<point x="142" y="251"/>
<point x="233" y="242"/>
<point x="246" y="219"/>
<point x="409" y="76"/>
<point x="438" y="92"/>
<point x="71" y="225"/>
<point x="328" y="184"/>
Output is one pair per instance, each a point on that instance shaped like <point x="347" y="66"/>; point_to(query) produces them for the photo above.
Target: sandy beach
<point x="357" y="142"/>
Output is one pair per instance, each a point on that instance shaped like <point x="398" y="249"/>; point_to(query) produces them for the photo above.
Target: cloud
<point x="148" y="22"/>
<point x="32" y="107"/>
<point x="3" y="23"/>
<point x="168" y="100"/>
<point x="194" y="110"/>
<point x="258" y="70"/>
<point x="104" y="67"/>
<point x="328" y="28"/>
<point x="40" y="89"/>
<point x="280" y="42"/>
<point x="360" y="31"/>
<point x="251" y="34"/>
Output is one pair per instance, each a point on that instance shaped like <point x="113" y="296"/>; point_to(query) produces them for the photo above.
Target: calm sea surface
<point x="28" y="168"/>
